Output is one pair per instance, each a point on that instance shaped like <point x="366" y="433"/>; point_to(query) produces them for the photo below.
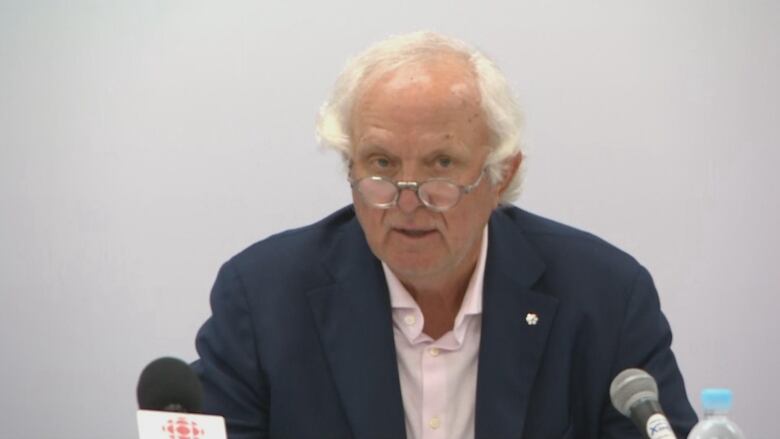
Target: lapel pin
<point x="531" y="318"/>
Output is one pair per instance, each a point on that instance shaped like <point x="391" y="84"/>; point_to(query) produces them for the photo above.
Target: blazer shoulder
<point x="294" y="250"/>
<point x="560" y="244"/>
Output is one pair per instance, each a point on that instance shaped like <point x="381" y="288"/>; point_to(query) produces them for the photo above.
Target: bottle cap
<point x="716" y="399"/>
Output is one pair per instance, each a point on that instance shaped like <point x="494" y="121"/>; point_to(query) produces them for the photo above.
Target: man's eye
<point x="444" y="162"/>
<point x="381" y="162"/>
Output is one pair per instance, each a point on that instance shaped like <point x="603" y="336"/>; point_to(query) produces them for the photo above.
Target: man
<point x="430" y="308"/>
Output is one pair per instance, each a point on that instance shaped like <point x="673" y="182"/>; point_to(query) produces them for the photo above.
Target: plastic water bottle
<point x="716" y="424"/>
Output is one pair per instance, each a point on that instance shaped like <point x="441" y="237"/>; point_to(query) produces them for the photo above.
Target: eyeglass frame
<point x="415" y="186"/>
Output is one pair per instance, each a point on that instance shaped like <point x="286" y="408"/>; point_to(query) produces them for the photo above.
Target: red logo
<point x="182" y="428"/>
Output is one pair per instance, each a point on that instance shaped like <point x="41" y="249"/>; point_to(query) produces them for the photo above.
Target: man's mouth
<point x="415" y="233"/>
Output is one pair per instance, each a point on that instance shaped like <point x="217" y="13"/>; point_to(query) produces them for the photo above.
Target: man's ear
<point x="512" y="165"/>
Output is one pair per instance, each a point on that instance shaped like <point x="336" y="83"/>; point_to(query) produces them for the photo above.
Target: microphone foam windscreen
<point x="169" y="384"/>
<point x="630" y="386"/>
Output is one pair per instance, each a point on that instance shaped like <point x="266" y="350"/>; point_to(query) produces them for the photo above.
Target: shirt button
<point x="410" y="319"/>
<point x="434" y="353"/>
<point x="434" y="423"/>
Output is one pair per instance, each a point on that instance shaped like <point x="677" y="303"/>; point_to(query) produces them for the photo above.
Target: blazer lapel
<point x="354" y="320"/>
<point x="515" y="324"/>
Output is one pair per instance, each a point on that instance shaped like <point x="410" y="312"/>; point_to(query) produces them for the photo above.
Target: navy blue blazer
<point x="300" y="343"/>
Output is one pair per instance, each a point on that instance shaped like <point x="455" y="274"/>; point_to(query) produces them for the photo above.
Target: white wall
<point x="144" y="142"/>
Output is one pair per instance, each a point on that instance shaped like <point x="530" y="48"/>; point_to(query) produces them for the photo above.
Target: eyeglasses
<point x="437" y="194"/>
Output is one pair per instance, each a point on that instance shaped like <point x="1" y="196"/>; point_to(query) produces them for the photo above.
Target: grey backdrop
<point x="144" y="142"/>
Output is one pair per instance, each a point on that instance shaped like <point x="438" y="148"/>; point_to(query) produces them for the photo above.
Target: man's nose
<point x="408" y="200"/>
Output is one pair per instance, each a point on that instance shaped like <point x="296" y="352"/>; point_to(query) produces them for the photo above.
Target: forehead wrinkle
<point x="445" y="142"/>
<point x="440" y="141"/>
<point x="420" y="106"/>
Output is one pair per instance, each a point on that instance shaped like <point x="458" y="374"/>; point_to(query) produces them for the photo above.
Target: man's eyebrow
<point x="370" y="148"/>
<point x="445" y="146"/>
<point x="449" y="148"/>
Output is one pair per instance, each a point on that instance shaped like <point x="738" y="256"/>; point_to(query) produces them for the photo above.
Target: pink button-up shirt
<point x="438" y="377"/>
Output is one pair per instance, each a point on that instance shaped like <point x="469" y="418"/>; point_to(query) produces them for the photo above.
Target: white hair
<point x="502" y="113"/>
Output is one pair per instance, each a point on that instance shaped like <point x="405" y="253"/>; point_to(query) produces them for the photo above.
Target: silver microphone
<point x="634" y="393"/>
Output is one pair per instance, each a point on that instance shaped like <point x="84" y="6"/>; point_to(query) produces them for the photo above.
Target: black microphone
<point x="169" y="384"/>
<point x="634" y="393"/>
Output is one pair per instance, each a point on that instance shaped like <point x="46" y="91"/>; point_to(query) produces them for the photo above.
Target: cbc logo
<point x="182" y="428"/>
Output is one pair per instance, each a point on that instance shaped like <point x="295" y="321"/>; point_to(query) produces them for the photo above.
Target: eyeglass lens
<point x="436" y="193"/>
<point x="377" y="191"/>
